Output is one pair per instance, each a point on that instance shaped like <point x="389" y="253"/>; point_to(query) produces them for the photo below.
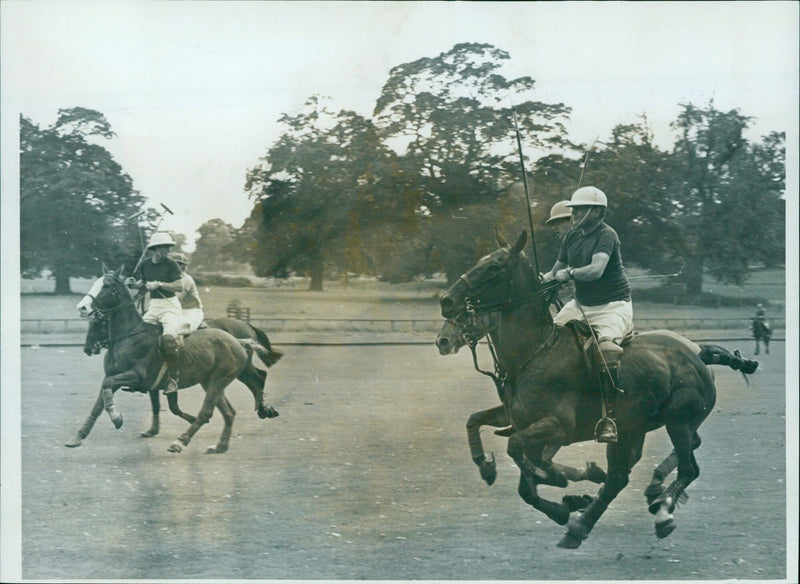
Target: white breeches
<point x="613" y="320"/>
<point x="194" y="316"/>
<point x="167" y="311"/>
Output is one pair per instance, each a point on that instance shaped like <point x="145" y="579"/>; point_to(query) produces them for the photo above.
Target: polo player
<point x="590" y="256"/>
<point x="189" y="297"/>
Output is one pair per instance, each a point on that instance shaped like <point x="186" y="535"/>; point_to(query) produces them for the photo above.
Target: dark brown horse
<point x="210" y="357"/>
<point x="467" y="331"/>
<point x="98" y="336"/>
<point x="451" y="337"/>
<point x="551" y="393"/>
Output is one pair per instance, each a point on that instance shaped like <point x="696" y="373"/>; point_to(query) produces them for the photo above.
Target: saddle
<point x="585" y="341"/>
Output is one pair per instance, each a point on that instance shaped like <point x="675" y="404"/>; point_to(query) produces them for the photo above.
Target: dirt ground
<point x="366" y="474"/>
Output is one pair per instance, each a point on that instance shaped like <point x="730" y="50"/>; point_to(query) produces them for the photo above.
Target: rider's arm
<point x="594" y="270"/>
<point x="176" y="286"/>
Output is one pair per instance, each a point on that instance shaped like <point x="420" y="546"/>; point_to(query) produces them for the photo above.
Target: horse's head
<point x="456" y="333"/>
<point x="108" y="291"/>
<point x="499" y="280"/>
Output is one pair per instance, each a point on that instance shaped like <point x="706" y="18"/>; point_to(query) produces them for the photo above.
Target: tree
<point x="74" y="199"/>
<point x="314" y="190"/>
<point x="451" y="117"/>
<point x="212" y="251"/>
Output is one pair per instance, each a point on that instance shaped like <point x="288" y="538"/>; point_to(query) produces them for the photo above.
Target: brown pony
<point x="209" y="357"/>
<point x="551" y="394"/>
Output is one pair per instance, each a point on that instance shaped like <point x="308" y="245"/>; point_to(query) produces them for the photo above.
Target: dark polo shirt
<point x="577" y="250"/>
<point x="164" y="271"/>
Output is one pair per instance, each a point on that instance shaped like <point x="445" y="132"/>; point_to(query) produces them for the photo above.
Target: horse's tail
<point x="716" y="355"/>
<point x="264" y="350"/>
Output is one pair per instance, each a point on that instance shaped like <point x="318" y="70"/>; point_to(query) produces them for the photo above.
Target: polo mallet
<point x="675" y="275"/>
<point x="144" y="251"/>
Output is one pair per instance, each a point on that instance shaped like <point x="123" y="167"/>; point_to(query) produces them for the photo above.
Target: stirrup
<point x="606" y="431"/>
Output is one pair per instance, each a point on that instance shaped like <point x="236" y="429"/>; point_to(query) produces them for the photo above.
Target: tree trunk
<point x="62" y="283"/>
<point x="693" y="275"/>
<point x="317" y="271"/>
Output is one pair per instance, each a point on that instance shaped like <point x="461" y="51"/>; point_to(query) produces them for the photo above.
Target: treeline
<point x="419" y="186"/>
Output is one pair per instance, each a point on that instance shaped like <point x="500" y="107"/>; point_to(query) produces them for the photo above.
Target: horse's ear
<point x="501" y="241"/>
<point x="104" y="268"/>
<point x="119" y="271"/>
<point x="520" y="243"/>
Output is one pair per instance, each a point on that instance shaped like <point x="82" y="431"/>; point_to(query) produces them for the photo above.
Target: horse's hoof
<point x="268" y="412"/>
<point x="149" y="433"/>
<point x="595" y="474"/>
<point x="216" y="449"/>
<point x="175" y="447"/>
<point x="569" y="542"/>
<point x="489" y="472"/>
<point x="117" y="421"/>
<point x="664" y="528"/>
<point x="74" y="444"/>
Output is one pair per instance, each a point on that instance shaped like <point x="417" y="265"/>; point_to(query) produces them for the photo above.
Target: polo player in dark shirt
<point x="590" y="256"/>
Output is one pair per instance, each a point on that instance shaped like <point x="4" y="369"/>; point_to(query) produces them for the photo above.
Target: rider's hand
<point x="130" y="282"/>
<point x="547" y="277"/>
<point x="153" y="285"/>
<point x="563" y="276"/>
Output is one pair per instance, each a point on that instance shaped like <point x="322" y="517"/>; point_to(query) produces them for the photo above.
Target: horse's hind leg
<point x="214" y="390"/>
<point x="621" y="456"/>
<point x="228" y="413"/>
<point x="256" y="381"/>
<point x="685" y="439"/>
<point x="655" y="489"/>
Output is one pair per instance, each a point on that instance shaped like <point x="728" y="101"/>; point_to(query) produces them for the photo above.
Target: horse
<point x="450" y="338"/>
<point x="210" y="357"/>
<point x="98" y="335"/>
<point x="551" y="392"/>
<point x="761" y="332"/>
<point x="468" y="330"/>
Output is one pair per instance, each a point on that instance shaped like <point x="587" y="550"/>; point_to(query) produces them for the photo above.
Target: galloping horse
<point x="761" y="332"/>
<point x="209" y="357"/>
<point x="99" y="334"/>
<point x="451" y="337"/>
<point x="468" y="330"/>
<point x="551" y="393"/>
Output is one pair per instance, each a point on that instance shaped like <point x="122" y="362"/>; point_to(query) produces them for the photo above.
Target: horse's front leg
<point x="155" y="406"/>
<point x="547" y="435"/>
<point x="495" y="417"/>
<point x="88" y="424"/>
<point x="129" y="379"/>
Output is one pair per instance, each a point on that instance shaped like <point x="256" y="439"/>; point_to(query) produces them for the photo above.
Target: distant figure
<point x="761" y="328"/>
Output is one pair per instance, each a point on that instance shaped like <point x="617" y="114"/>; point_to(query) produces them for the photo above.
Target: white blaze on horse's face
<point x="85" y="306"/>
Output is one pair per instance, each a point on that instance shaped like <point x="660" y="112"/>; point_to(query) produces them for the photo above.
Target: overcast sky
<point x="194" y="89"/>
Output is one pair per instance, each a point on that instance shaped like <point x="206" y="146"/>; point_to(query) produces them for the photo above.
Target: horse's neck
<point x="124" y="321"/>
<point x="519" y="333"/>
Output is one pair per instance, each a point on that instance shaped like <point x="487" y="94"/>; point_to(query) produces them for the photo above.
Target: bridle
<point x="104" y="312"/>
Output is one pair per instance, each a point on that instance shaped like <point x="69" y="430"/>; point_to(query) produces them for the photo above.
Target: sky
<point x="194" y="90"/>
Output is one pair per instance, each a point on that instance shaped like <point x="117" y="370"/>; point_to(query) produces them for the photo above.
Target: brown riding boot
<point x="606" y="429"/>
<point x="169" y="346"/>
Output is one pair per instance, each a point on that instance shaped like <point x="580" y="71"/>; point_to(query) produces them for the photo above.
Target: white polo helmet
<point x="588" y="196"/>
<point x="560" y="210"/>
<point x="160" y="238"/>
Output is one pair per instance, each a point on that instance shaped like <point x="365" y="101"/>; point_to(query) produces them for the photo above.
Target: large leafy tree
<point x="317" y="191"/>
<point x="213" y="248"/>
<point x="451" y="117"/>
<point x="74" y="199"/>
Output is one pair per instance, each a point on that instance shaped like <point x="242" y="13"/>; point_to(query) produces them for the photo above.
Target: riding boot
<point x="169" y="347"/>
<point x="606" y="428"/>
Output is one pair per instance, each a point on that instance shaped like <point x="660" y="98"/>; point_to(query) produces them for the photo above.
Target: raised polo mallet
<point x="161" y="218"/>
